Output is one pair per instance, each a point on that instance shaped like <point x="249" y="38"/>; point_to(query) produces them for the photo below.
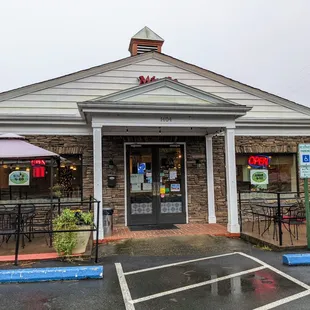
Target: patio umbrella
<point x="13" y="146"/>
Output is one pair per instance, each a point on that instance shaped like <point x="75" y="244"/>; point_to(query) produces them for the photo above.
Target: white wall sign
<point x="259" y="176"/>
<point x="304" y="160"/>
<point x="19" y="178"/>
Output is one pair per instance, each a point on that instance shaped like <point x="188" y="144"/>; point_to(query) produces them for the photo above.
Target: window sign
<point x="259" y="161"/>
<point x="259" y="176"/>
<point x="141" y="168"/>
<point x="18" y="178"/>
<point x="175" y="187"/>
<point x="38" y="168"/>
<point x="136" y="178"/>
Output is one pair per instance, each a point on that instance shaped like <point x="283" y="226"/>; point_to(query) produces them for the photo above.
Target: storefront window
<point x="69" y="176"/>
<point x="267" y="172"/>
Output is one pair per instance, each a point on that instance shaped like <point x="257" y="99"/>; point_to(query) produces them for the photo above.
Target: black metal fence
<point x="20" y="192"/>
<point x="23" y="221"/>
<point x="270" y="215"/>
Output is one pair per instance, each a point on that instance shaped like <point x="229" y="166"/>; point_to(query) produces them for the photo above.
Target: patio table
<point x="273" y="212"/>
<point x="12" y="212"/>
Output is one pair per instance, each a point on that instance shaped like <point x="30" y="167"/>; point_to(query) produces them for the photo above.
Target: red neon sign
<point x="148" y="79"/>
<point x="38" y="170"/>
<point x="258" y="161"/>
<point x="38" y="162"/>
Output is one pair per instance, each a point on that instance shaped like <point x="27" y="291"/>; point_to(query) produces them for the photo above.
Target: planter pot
<point x="82" y="240"/>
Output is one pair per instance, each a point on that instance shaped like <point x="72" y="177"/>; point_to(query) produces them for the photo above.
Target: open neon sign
<point x="259" y="161"/>
<point x="38" y="168"/>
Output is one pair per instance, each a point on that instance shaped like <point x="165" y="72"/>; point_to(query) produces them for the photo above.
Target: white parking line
<point x="124" y="287"/>
<point x="129" y="303"/>
<point x="188" y="287"/>
<point x="179" y="263"/>
<point x="283" y="274"/>
<point x="283" y="301"/>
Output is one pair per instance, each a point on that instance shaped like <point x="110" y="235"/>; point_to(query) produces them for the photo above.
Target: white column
<point x="97" y="154"/>
<point x="231" y="181"/>
<point x="210" y="180"/>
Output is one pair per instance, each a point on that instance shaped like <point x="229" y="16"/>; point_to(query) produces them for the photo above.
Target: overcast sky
<point x="263" y="43"/>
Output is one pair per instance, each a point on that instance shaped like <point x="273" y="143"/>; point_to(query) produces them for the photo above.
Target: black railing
<point x="20" y="192"/>
<point x="25" y="220"/>
<point x="274" y="217"/>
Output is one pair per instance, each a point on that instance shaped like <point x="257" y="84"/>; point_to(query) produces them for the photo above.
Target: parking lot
<point x="226" y="281"/>
<point x="192" y="272"/>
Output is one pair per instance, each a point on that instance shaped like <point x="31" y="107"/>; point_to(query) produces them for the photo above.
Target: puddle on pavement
<point x="245" y="292"/>
<point x="158" y="280"/>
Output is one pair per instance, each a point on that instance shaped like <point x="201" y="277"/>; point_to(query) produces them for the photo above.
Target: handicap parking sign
<point x="306" y="158"/>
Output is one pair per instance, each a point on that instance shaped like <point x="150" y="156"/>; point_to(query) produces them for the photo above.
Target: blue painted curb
<point x="51" y="274"/>
<point x="296" y="259"/>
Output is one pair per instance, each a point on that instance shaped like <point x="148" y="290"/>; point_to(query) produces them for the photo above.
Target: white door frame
<point x="155" y="143"/>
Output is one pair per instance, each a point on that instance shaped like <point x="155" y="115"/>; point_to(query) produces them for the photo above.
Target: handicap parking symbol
<point x="306" y="158"/>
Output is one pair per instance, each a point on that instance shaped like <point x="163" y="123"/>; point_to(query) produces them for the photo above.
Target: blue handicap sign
<point x="306" y="158"/>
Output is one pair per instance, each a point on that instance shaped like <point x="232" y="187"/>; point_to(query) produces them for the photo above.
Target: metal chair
<point x="45" y="226"/>
<point x="294" y="217"/>
<point x="8" y="224"/>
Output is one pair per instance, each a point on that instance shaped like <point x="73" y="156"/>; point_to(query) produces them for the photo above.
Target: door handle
<point x="154" y="187"/>
<point x="158" y="189"/>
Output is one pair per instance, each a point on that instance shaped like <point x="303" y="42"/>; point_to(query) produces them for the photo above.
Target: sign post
<point x="304" y="171"/>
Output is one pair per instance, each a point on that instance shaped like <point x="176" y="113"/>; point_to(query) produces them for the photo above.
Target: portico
<point x="194" y="114"/>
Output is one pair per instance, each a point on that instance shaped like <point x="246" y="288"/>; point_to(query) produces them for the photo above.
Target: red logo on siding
<point x="148" y="79"/>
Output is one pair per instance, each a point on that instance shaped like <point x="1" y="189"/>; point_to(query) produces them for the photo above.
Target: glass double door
<point x="155" y="184"/>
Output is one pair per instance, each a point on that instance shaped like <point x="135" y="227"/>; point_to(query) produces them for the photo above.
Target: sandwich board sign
<point x="304" y="172"/>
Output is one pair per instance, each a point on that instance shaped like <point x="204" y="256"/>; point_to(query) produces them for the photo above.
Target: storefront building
<point x="160" y="140"/>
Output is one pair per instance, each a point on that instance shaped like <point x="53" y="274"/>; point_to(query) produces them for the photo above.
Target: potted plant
<point x="57" y="190"/>
<point x="68" y="243"/>
<point x="84" y="220"/>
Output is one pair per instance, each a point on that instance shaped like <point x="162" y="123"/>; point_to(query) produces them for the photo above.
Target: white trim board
<point x="276" y="132"/>
<point x="156" y="143"/>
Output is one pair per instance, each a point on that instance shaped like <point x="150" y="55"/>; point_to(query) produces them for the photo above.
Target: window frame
<point x="277" y="154"/>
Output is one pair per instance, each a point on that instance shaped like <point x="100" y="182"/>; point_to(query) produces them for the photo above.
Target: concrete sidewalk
<point x="192" y="229"/>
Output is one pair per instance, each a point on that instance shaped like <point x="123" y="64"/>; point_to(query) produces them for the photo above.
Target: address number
<point x="166" y="119"/>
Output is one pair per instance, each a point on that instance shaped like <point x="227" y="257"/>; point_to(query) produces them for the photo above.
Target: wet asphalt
<point x="247" y="291"/>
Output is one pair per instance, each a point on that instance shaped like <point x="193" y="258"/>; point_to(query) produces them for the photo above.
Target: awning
<point x="15" y="147"/>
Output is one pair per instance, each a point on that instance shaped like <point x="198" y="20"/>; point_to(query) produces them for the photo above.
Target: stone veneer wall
<point x="247" y="145"/>
<point x="113" y="148"/>
<point x="218" y="143"/>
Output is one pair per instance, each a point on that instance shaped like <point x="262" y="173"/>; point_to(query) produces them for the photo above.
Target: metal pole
<point x="58" y="205"/>
<point x="18" y="234"/>
<point x="97" y="233"/>
<point x="52" y="178"/>
<point x="306" y="189"/>
<point x="279" y="218"/>
<point x="240" y="212"/>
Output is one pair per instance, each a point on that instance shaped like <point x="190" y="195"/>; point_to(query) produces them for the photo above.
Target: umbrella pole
<point x="52" y="178"/>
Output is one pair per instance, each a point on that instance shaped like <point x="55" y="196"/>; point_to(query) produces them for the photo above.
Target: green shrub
<point x="64" y="242"/>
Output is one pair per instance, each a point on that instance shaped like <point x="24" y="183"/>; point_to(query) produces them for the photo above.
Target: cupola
<point x="144" y="41"/>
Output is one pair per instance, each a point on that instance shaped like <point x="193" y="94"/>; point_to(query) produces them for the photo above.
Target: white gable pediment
<point x="165" y="91"/>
